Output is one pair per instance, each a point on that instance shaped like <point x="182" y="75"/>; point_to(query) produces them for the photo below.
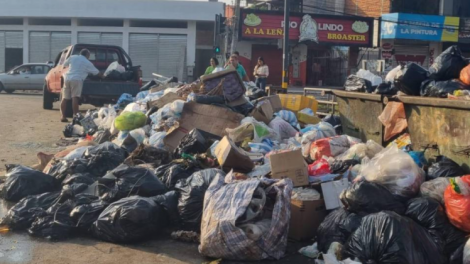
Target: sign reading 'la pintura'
<point x="337" y="30"/>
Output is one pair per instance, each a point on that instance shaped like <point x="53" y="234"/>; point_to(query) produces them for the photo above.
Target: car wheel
<point x="9" y="91"/>
<point x="47" y="98"/>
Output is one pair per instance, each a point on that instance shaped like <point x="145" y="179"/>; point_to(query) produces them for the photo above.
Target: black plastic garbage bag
<point x="22" y="181"/>
<point x="197" y="141"/>
<point x="22" y="214"/>
<point x="62" y="169"/>
<point x="440" y="89"/>
<point x="125" y="181"/>
<point x="146" y="154"/>
<point x="148" y="85"/>
<point x="129" y="220"/>
<point x="448" y="65"/>
<point x="444" y="167"/>
<point x="341" y="166"/>
<point x="350" y="224"/>
<point x="335" y="121"/>
<point x="329" y="230"/>
<point x="368" y="197"/>
<point x="356" y="84"/>
<point x="55" y="223"/>
<point x="169" y="202"/>
<point x="410" y="79"/>
<point x="192" y="190"/>
<point x="387" y="237"/>
<point x="171" y="173"/>
<point x="457" y="256"/>
<point x="85" y="178"/>
<point x="84" y="215"/>
<point x="386" y="88"/>
<point x="104" y="157"/>
<point x="453" y="238"/>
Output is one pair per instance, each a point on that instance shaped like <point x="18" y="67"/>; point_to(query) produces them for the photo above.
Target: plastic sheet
<point x="22" y="181"/>
<point x="395" y="170"/>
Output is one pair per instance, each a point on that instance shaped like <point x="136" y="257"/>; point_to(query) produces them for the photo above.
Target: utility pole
<point x="285" y="46"/>
<point x="235" y="26"/>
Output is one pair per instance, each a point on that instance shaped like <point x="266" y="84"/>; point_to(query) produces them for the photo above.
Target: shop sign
<point x="420" y="27"/>
<point x="306" y="28"/>
<point x="464" y="32"/>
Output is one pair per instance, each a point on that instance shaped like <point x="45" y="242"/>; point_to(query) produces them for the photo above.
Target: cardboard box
<point x="308" y="119"/>
<point x="305" y="218"/>
<point x="331" y="191"/>
<point x="232" y="84"/>
<point x="230" y="157"/>
<point x="266" y="108"/>
<point x="295" y="102"/>
<point x="162" y="101"/>
<point x="290" y="165"/>
<point x="212" y="119"/>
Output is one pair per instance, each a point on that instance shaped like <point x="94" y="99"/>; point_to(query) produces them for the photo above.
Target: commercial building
<point x="319" y="45"/>
<point x="166" y="37"/>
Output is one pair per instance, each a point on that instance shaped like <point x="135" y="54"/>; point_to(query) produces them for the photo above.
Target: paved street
<point x="27" y="129"/>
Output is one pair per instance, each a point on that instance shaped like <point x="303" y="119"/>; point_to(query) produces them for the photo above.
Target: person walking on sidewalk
<point x="261" y="73"/>
<point x="79" y="68"/>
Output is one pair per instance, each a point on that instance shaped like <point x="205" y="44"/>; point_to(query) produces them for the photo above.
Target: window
<point x="58" y="58"/>
<point x="62" y="57"/>
<point x="112" y="56"/>
<point x="39" y="69"/>
<point x="23" y="70"/>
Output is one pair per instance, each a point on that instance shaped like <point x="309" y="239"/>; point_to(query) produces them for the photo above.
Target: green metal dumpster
<point x="359" y="115"/>
<point x="441" y="126"/>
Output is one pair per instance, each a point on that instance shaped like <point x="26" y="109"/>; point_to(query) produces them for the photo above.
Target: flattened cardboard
<point x="290" y="165"/>
<point x="166" y="99"/>
<point x="212" y="119"/>
<point x="266" y="107"/>
<point x="331" y="191"/>
<point x="305" y="218"/>
<point x="230" y="157"/>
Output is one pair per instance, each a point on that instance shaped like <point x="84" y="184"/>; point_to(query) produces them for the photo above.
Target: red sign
<point x="331" y="29"/>
<point x="405" y="59"/>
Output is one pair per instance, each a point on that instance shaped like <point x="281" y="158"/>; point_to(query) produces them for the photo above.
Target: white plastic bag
<point x="157" y="140"/>
<point x="396" y="170"/>
<point x="435" y="188"/>
<point x="261" y="130"/>
<point x="282" y="128"/>
<point x="177" y="107"/>
<point x="361" y="150"/>
<point x="366" y="74"/>
<point x="106" y="116"/>
<point x="135" y="107"/>
<point x="392" y="74"/>
<point x="115" y="66"/>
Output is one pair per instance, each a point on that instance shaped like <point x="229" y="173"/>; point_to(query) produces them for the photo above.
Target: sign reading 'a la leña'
<point x="336" y="30"/>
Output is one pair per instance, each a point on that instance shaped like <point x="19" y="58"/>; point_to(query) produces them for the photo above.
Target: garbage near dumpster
<point x="296" y="103"/>
<point x="387" y="237"/>
<point x="433" y="88"/>
<point x="435" y="189"/>
<point x="307" y="213"/>
<point x="265" y="108"/>
<point x="394" y="119"/>
<point x="356" y="84"/>
<point x="289" y="165"/>
<point x="409" y="79"/>
<point x="230" y="206"/>
<point x="22" y="181"/>
<point x="457" y="202"/>
<point x="332" y="146"/>
<point x="444" y="167"/>
<point x="465" y="75"/>
<point x="448" y="65"/>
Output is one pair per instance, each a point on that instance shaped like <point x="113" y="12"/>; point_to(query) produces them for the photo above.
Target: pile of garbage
<point x="219" y="163"/>
<point x="448" y="77"/>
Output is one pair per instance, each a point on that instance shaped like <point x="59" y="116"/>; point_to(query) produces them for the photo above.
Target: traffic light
<point x="217" y="49"/>
<point x="219" y="26"/>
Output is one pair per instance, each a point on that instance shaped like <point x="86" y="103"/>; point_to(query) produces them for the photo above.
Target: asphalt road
<point x="27" y="129"/>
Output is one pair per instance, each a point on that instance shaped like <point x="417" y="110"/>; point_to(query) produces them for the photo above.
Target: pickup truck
<point x="96" y="91"/>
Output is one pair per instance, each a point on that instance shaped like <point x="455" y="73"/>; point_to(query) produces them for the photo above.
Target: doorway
<point x="272" y="56"/>
<point x="13" y="57"/>
<point x="203" y="57"/>
<point x="325" y="70"/>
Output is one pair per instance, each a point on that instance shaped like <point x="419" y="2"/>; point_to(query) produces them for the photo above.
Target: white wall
<point x="113" y="9"/>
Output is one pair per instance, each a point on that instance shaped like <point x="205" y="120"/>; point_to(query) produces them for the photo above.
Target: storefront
<point x="319" y="45"/>
<point x="415" y="38"/>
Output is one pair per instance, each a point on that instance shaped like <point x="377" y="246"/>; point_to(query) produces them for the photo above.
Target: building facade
<point x="165" y="37"/>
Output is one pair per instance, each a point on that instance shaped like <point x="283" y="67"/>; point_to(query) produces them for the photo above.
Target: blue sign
<point x="420" y="27"/>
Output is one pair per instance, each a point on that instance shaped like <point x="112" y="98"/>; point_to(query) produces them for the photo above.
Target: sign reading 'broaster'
<point x="332" y="29"/>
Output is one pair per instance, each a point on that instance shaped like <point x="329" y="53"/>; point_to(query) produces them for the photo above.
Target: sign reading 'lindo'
<point x="337" y="30"/>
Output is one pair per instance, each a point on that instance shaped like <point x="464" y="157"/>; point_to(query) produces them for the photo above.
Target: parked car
<point x="95" y="91"/>
<point x="29" y="76"/>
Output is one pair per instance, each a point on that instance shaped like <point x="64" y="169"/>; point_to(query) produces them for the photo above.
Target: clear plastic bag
<point x="361" y="150"/>
<point x="177" y="107"/>
<point x="115" y="66"/>
<point x="318" y="131"/>
<point x="435" y="188"/>
<point x="261" y="130"/>
<point x="391" y="74"/>
<point x="396" y="170"/>
<point x="106" y="116"/>
<point x="366" y="74"/>
<point x="157" y="139"/>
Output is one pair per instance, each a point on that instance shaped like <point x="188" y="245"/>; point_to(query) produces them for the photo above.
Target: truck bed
<point x="109" y="88"/>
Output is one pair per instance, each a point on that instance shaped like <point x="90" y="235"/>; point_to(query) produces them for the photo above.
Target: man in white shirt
<point x="79" y="68"/>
